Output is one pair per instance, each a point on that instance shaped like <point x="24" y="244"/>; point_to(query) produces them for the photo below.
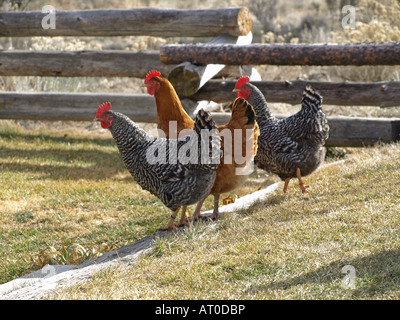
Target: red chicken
<point x="231" y="173"/>
<point x="169" y="108"/>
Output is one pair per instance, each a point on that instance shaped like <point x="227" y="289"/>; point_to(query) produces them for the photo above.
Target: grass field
<point x="66" y="196"/>
<point x="63" y="187"/>
<point x="60" y="188"/>
<point x="291" y="246"/>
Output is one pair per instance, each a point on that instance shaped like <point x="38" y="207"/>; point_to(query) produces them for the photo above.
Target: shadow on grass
<point x="377" y="273"/>
<point x="60" y="172"/>
<point x="74" y="163"/>
<point x="104" y="142"/>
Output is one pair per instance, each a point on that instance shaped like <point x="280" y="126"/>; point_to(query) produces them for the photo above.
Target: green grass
<point x="63" y="187"/>
<point x="60" y="190"/>
<point x="291" y="246"/>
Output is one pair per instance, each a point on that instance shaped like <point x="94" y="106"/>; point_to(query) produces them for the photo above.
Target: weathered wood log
<point x="383" y="94"/>
<point x="107" y="63"/>
<point x="188" y="78"/>
<point x="284" y="54"/>
<point x="130" y="22"/>
<point x="74" y="106"/>
<point x="344" y="132"/>
<point x="350" y="131"/>
<point x="111" y="63"/>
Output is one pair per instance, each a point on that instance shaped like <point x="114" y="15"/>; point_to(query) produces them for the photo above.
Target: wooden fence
<point x="187" y="23"/>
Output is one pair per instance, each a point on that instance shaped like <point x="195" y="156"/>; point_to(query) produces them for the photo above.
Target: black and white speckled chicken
<point x="178" y="171"/>
<point x="291" y="147"/>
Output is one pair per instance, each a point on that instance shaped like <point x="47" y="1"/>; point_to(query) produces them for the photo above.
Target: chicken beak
<point x="235" y="90"/>
<point x="144" y="85"/>
<point x="96" y="119"/>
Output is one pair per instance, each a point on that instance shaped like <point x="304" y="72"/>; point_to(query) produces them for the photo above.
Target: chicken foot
<point x="302" y="186"/>
<point x="285" y="187"/>
<point x="215" y="214"/>
<point x="196" y="215"/>
<point x="171" y="225"/>
<point x="301" y="183"/>
<point x="184" y="221"/>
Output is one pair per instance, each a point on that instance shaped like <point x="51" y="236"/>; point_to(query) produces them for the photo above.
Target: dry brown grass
<point x="63" y="183"/>
<point x="291" y="246"/>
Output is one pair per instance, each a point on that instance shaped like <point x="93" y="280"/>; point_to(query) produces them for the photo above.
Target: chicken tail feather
<point x="312" y="100"/>
<point x="204" y="121"/>
<point x="242" y="109"/>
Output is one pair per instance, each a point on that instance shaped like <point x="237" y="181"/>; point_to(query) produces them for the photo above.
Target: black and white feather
<point x="179" y="172"/>
<point x="295" y="142"/>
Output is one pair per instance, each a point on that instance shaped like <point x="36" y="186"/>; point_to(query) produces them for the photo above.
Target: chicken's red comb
<point x="152" y="74"/>
<point x="241" y="81"/>
<point x="103" y="107"/>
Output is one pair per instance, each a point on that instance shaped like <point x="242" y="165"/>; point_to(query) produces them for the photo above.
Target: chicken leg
<point x="196" y="215"/>
<point x="171" y="224"/>
<point x="215" y="214"/>
<point x="302" y="186"/>
<point x="184" y="220"/>
<point x="285" y="187"/>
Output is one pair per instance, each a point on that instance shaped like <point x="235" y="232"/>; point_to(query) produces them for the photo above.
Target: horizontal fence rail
<point x="91" y="63"/>
<point x="130" y="22"/>
<point x="284" y="54"/>
<point x="383" y="94"/>
<point x="344" y="132"/>
<point x="350" y="131"/>
<point x="107" y="63"/>
<point x="73" y="106"/>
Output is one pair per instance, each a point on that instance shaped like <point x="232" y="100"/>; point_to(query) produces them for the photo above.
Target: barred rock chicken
<point x="178" y="178"/>
<point x="239" y="145"/>
<point x="169" y="108"/>
<point x="293" y="147"/>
